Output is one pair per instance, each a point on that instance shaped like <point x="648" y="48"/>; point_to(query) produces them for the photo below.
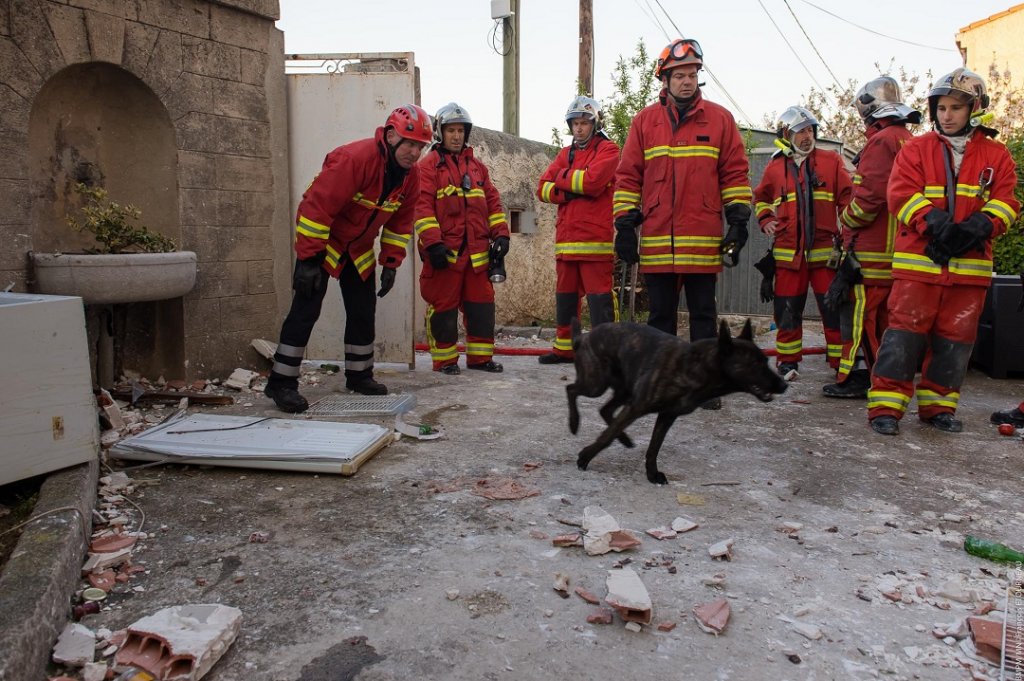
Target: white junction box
<point x="48" y="415"/>
<point x="501" y="9"/>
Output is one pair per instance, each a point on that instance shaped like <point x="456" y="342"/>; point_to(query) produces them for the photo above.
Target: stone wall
<point x="217" y="69"/>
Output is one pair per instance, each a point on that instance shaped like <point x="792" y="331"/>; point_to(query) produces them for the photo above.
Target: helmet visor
<point x="686" y="47"/>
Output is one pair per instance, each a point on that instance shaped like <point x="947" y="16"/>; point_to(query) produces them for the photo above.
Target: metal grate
<point x="361" y="405"/>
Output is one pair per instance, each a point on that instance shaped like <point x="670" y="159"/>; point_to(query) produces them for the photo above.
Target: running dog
<point x="651" y="372"/>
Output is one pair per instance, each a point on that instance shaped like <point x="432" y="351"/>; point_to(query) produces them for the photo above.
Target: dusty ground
<point x="352" y="582"/>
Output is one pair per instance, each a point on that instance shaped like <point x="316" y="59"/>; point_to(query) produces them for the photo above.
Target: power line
<point x="869" y="30"/>
<point x="792" y="49"/>
<point x="653" y="16"/>
<point x="721" y="87"/>
<point x="813" y="46"/>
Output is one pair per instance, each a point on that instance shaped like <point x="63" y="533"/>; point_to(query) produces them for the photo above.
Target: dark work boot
<point x="489" y="366"/>
<point x="450" y="370"/>
<point x="785" y="367"/>
<point x="1015" y="417"/>
<point x="855" y="386"/>
<point x="366" y="386"/>
<point x="286" y="398"/>
<point x="946" y="422"/>
<point x="885" y="425"/>
<point x="554" y="358"/>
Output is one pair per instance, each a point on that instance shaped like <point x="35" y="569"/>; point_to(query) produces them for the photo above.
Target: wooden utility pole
<point x="586" y="77"/>
<point x="510" y="44"/>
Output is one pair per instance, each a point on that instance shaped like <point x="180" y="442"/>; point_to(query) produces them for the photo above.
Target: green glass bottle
<point x="991" y="550"/>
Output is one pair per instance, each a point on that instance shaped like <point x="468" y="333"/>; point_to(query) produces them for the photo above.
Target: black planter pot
<point x="999" y="349"/>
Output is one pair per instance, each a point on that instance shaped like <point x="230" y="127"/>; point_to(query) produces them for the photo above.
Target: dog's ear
<point x="724" y="339"/>
<point x="748" y="332"/>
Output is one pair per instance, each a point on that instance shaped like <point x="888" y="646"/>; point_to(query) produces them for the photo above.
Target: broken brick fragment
<point x="712" y="617"/>
<point x="574" y="539"/>
<point x="666" y="626"/>
<point x="602" y="616"/>
<point x="102" y="580"/>
<point x="587" y="596"/>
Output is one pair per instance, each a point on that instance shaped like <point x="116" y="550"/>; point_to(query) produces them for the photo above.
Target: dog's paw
<point x="626" y="441"/>
<point x="657" y="477"/>
<point x="581" y="464"/>
<point x="574" y="424"/>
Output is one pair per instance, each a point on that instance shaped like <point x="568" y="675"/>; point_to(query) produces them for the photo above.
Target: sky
<point x="743" y="49"/>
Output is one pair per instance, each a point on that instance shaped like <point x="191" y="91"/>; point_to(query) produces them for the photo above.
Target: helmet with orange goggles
<point x="410" y="122"/>
<point x="679" y="52"/>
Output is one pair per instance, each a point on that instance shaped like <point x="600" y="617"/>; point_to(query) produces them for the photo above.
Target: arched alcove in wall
<point x="98" y="124"/>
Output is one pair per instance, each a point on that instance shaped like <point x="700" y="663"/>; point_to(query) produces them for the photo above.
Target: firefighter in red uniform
<point x="798" y="202"/>
<point x="952" y="191"/>
<point x="682" y="164"/>
<point x="862" y="284"/>
<point x="579" y="182"/>
<point x="364" y="188"/>
<point x="460" y="228"/>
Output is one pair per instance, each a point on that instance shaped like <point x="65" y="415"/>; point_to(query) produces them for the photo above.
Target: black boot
<point x="1015" y="417"/>
<point x="366" y="386"/>
<point x="855" y="386"/>
<point x="785" y="367"/>
<point x="286" y="398"/>
<point x="489" y="366"/>
<point x="946" y="422"/>
<point x="553" y="358"/>
<point x="885" y="425"/>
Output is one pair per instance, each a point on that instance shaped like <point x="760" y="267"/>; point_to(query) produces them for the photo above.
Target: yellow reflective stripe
<point x="934" y="191"/>
<point x="390" y="206"/>
<point x="874" y="256"/>
<point x="625" y="197"/>
<point x="971" y="190"/>
<point x="656" y="241"/>
<point x="762" y="206"/>
<point x="886" y="398"/>
<point x="784" y="254"/>
<point x="699" y="241"/>
<point x="584" y="248"/>
<point x="855" y="208"/>
<point x="733" y="194"/>
<point x="452" y="190"/>
<point x="423" y="224"/>
<point x="444" y="354"/>
<point x="848" y="359"/>
<point x="366" y="203"/>
<point x="687" y="151"/>
<point x="834" y="350"/>
<point x="477" y="349"/>
<point x="857" y="179"/>
<point x="930" y="398"/>
<point x="545" y="191"/>
<point x="563" y="344"/>
<point x="495" y="219"/>
<point x="971" y="267"/>
<point x="577" y="181"/>
<point x="822" y="195"/>
<point x="394" y="238"/>
<point x="870" y="273"/>
<point x="478" y="259"/>
<point x="1000" y="210"/>
<point x="789" y="347"/>
<point x="819" y="254"/>
<point x="912" y="262"/>
<point x="314" y="230"/>
<point x="333" y="257"/>
<point x="680" y="259"/>
<point x="912" y="205"/>
<point x="364" y="262"/>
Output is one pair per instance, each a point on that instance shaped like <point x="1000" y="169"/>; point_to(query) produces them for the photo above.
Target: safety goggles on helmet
<point x="452" y="113"/>
<point x="410" y="122"/>
<point x="677" y="53"/>
<point x="793" y="120"/>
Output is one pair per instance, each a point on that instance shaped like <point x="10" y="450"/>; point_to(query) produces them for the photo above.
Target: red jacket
<point x="776" y="199"/>
<point x="582" y="189"/>
<point x="870" y="227"/>
<point x="342" y="211"/>
<point x="918" y="185"/>
<point x="681" y="174"/>
<point x="466" y="221"/>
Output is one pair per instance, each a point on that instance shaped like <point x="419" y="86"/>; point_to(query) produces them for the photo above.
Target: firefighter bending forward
<point x="364" y="188"/>
<point x="460" y="227"/>
<point x="579" y="182"/>
<point x="952" y="191"/>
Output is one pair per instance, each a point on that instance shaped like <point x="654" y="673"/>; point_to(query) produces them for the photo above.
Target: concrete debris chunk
<point x="76" y="645"/>
<point x="111" y="411"/>
<point x="712" y="617"/>
<point x="99" y="561"/>
<point x="628" y="596"/>
<point x="180" y="642"/>
<point x="601" y="533"/>
<point x="115" y="482"/>
<point x="241" y="379"/>
<point x="809" y="631"/>
<point x="660" y="533"/>
<point x="790" y="527"/>
<point x="722" y="550"/>
<point x="264" y="347"/>
<point x="94" y="671"/>
<point x="684" y="524"/>
<point x="635" y="627"/>
<point x="561" y="584"/>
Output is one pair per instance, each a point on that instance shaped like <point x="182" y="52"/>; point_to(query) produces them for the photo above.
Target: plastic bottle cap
<point x="94" y="594"/>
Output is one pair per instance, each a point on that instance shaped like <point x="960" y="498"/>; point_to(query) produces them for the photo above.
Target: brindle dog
<point x="651" y="372"/>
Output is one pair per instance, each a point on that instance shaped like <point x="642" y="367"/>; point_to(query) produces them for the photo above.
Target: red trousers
<point x="447" y="292"/>
<point x="790" y="298"/>
<point x="863" y="320"/>
<point x="575" y="279"/>
<point x="931" y="326"/>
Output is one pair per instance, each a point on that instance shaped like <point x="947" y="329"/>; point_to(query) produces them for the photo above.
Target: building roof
<point x="994" y="17"/>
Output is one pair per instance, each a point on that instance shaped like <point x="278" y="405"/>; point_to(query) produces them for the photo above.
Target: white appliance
<point x="48" y="414"/>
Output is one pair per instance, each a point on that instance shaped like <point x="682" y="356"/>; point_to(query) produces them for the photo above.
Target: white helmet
<point x="880" y="98"/>
<point x="962" y="84"/>
<point x="584" y="107"/>
<point x="793" y="120"/>
<point x="452" y="113"/>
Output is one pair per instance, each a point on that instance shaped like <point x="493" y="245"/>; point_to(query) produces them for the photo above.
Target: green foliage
<point x="556" y="137"/>
<point x="1008" y="248"/>
<point x="112" y="224"/>
<point x="634" y="87"/>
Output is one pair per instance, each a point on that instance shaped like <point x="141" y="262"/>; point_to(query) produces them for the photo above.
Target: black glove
<point x="626" y="245"/>
<point x="938" y="222"/>
<point x="499" y="249"/>
<point x="438" y="256"/>
<point x="766" y="266"/>
<point x="972" y="234"/>
<point x="387" y="281"/>
<point x="847" y="275"/>
<point x="940" y="228"/>
<point x="569" y="196"/>
<point x="309" y="275"/>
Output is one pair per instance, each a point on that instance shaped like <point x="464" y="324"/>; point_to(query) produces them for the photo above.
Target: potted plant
<point x="999" y="349"/>
<point x="130" y="264"/>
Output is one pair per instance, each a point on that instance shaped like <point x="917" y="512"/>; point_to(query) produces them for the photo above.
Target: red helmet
<point x="411" y="123"/>
<point x="677" y="53"/>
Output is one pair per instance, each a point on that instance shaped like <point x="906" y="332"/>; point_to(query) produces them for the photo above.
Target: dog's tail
<point x="575" y="323"/>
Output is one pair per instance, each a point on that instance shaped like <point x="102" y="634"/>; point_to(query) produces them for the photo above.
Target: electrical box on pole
<point x="501" y="9"/>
